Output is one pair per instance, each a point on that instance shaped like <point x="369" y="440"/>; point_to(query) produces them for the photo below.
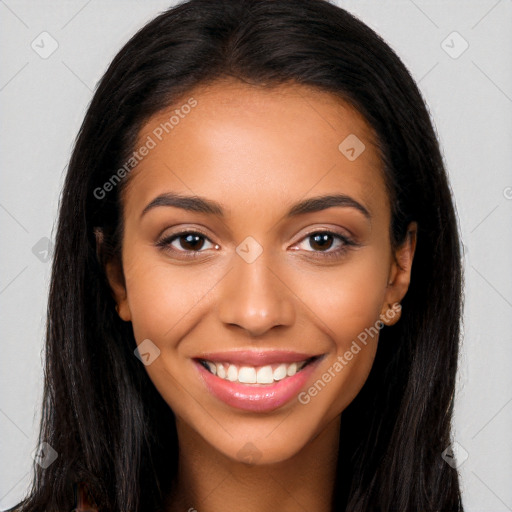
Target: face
<point x="256" y="264"/>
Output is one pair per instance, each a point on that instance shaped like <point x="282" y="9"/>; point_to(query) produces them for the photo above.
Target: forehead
<point x="243" y="144"/>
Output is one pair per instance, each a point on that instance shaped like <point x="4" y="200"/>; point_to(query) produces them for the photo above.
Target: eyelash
<point x="347" y="242"/>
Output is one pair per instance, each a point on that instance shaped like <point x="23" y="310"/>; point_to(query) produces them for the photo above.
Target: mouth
<point x="256" y="381"/>
<point x="249" y="374"/>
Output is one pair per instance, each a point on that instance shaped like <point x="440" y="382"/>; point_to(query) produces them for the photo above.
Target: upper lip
<point x="256" y="357"/>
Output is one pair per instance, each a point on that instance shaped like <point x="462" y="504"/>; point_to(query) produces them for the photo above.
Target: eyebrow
<point x="203" y="205"/>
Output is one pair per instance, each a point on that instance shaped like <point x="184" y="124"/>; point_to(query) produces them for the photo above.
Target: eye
<point x="188" y="243"/>
<point x="327" y="244"/>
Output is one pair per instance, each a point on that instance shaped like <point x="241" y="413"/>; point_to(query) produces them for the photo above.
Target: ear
<point x="115" y="277"/>
<point x="399" y="277"/>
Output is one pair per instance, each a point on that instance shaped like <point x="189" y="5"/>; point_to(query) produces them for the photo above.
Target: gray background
<point x="469" y="93"/>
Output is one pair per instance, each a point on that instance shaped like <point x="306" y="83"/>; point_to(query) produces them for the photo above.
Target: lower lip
<point x="256" y="398"/>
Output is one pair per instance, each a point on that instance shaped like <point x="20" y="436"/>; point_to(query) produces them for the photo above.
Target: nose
<point x="255" y="298"/>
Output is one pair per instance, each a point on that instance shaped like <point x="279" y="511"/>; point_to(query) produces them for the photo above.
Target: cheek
<point x="347" y="298"/>
<point x="346" y="306"/>
<point x="164" y="299"/>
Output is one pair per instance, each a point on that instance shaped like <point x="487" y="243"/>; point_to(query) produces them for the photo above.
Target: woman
<point x="256" y="288"/>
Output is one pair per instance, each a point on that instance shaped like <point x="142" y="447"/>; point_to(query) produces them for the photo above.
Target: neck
<point x="208" y="481"/>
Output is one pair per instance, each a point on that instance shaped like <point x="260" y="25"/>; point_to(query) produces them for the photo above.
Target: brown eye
<point x="186" y="244"/>
<point x="326" y="244"/>
<point x="321" y="241"/>
<point x="191" y="242"/>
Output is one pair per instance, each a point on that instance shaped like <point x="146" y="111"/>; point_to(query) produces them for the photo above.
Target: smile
<point x="256" y="381"/>
<point x="255" y="375"/>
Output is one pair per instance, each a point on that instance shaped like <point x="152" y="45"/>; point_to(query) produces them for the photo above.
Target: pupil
<point x="192" y="241"/>
<point x="324" y="241"/>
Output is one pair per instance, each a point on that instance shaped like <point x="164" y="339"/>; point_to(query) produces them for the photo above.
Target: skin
<point x="257" y="152"/>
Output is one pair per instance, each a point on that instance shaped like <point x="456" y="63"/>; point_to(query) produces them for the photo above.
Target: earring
<point x="117" y="308"/>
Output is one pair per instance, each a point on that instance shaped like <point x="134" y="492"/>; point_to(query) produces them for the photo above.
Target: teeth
<point x="251" y="375"/>
<point x="247" y="375"/>
<point x="221" y="372"/>
<point x="212" y="367"/>
<point x="280" y="372"/>
<point x="232" y="373"/>
<point x="292" y="370"/>
<point x="265" y="375"/>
